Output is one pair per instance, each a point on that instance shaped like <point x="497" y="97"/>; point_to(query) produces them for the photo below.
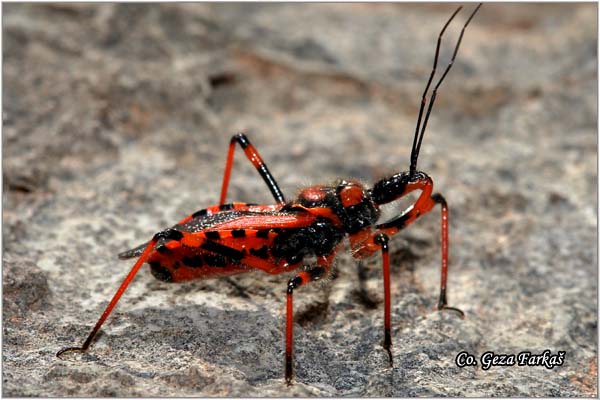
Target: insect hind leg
<point x="170" y="234"/>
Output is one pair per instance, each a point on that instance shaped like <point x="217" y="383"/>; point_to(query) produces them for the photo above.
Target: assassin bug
<point x="231" y="238"/>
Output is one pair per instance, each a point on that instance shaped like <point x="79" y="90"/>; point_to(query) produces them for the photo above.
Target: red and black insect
<point x="231" y="238"/>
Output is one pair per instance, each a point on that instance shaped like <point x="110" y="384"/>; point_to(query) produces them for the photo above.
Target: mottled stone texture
<point x="116" y="122"/>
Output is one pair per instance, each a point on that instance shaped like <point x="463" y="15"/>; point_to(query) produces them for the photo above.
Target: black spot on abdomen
<point x="213" y="235"/>
<point x="193" y="262"/>
<point x="159" y="272"/>
<point x="263" y="234"/>
<point x="162" y="249"/>
<point x="238" y="233"/>
<point x="215" y="260"/>
<point x="263" y="252"/>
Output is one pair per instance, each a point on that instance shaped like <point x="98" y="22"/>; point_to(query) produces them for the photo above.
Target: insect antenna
<point x="416" y="147"/>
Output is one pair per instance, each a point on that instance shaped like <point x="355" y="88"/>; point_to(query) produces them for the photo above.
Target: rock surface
<point x="116" y="123"/>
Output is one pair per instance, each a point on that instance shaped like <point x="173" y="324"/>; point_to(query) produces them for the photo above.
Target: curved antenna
<point x="417" y="144"/>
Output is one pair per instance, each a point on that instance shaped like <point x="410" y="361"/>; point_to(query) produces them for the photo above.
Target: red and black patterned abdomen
<point x="230" y="242"/>
<point x="174" y="261"/>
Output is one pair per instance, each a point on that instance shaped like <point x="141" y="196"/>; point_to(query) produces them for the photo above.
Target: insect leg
<point x="382" y="239"/>
<point x="171" y="234"/>
<point x="302" y="278"/>
<point x="258" y="163"/>
<point x="443" y="304"/>
<point x="420" y="208"/>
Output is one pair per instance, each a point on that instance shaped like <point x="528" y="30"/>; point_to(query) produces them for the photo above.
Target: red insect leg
<point x="366" y="242"/>
<point x="382" y="239"/>
<point x="115" y="298"/>
<point x="191" y="240"/>
<point x="256" y="160"/>
<point x="302" y="278"/>
<point x="423" y="205"/>
<point x="438" y="198"/>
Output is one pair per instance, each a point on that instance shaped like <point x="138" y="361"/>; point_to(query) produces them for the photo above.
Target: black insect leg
<point x="258" y="163"/>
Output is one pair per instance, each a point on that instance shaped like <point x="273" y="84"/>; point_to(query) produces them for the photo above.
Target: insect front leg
<point x="256" y="160"/>
<point x="420" y="208"/>
<point x="443" y="304"/>
<point x="369" y="241"/>
<point x="423" y="205"/>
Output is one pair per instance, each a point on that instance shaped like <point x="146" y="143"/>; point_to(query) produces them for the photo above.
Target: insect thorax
<point x="349" y="202"/>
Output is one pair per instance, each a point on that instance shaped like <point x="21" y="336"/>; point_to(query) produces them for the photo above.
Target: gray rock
<point x="117" y="119"/>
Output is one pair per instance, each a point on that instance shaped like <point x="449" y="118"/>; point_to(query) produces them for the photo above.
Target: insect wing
<point x="235" y="224"/>
<point x="196" y="224"/>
